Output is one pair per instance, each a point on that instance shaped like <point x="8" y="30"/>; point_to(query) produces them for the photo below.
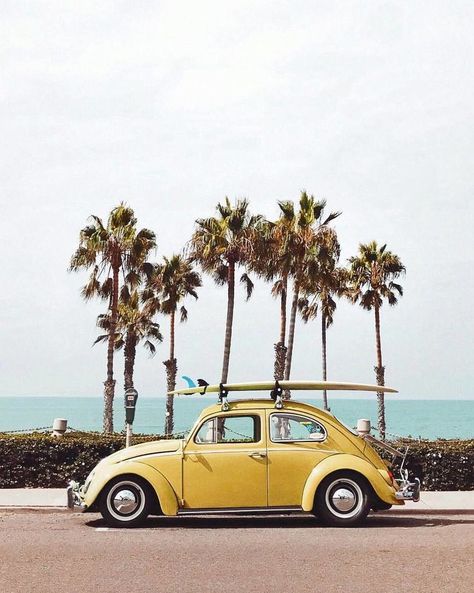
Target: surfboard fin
<point x="189" y="381"/>
<point x="203" y="383"/>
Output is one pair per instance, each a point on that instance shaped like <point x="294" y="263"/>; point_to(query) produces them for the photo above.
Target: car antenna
<point x="223" y="393"/>
<point x="276" y="395"/>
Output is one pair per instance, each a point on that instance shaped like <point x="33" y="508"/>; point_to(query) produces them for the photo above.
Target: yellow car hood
<point x="163" y="446"/>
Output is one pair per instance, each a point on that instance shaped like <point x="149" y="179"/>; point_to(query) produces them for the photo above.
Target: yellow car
<point x="246" y="456"/>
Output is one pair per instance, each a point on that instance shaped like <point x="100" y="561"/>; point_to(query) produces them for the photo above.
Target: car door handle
<point x="257" y="455"/>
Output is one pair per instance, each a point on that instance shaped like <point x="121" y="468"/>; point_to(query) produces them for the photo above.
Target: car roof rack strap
<point x="276" y="395"/>
<point x="223" y="393"/>
<point x="203" y="383"/>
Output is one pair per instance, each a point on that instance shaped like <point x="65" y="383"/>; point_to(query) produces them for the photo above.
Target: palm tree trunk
<point x="280" y="358"/>
<point x="280" y="347"/>
<point x="129" y="364"/>
<point x="109" y="384"/>
<point x="283" y="298"/>
<point x="380" y="374"/>
<point x="324" y="357"/>
<point x="229" y="320"/>
<point x="171" y="371"/>
<point x="291" y="335"/>
<point x="172" y="333"/>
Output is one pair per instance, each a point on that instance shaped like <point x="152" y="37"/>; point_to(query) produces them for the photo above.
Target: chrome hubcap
<point x="343" y="499"/>
<point x="125" y="502"/>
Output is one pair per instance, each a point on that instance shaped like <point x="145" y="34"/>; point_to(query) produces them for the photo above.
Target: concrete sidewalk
<point x="57" y="498"/>
<point x="33" y="497"/>
<point x="440" y="501"/>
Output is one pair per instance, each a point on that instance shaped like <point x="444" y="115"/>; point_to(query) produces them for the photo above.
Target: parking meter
<point x="131" y="396"/>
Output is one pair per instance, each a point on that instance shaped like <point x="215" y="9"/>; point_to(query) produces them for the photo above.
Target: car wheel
<point x="126" y="501"/>
<point x="342" y="500"/>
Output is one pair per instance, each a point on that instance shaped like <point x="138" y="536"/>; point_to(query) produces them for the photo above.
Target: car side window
<point x="293" y="427"/>
<point x="229" y="429"/>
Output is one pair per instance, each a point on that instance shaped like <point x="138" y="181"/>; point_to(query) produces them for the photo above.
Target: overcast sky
<point x="171" y="106"/>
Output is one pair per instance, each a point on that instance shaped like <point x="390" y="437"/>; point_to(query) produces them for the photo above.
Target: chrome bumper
<point x="74" y="500"/>
<point x="409" y="491"/>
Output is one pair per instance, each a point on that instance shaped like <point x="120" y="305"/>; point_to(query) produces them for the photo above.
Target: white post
<point x="363" y="426"/>
<point x="59" y="427"/>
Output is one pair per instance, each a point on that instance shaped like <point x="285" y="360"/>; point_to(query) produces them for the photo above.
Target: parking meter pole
<point x="131" y="396"/>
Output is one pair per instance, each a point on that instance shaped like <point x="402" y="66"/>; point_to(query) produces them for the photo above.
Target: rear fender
<point x="336" y="463"/>
<point x="161" y="486"/>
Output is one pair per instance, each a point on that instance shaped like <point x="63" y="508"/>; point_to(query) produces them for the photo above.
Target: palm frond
<point x="150" y="347"/>
<point x="397" y="287"/>
<point x="247" y="282"/>
<point x="220" y="274"/>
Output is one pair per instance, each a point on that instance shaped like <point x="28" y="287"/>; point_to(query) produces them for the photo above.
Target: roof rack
<point x="223" y="393"/>
<point x="276" y="394"/>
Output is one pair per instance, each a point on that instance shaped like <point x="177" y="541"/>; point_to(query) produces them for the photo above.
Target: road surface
<point x="47" y="551"/>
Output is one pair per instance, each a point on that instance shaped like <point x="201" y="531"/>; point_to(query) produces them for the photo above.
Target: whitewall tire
<point x="342" y="499"/>
<point x="126" y="501"/>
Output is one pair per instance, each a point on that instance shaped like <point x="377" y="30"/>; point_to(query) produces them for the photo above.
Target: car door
<point x="225" y="462"/>
<point x="296" y="443"/>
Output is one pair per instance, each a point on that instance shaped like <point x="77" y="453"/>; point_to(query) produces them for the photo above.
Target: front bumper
<point x="409" y="490"/>
<point x="74" y="500"/>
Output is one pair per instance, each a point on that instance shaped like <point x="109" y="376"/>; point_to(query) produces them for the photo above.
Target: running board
<point x="241" y="511"/>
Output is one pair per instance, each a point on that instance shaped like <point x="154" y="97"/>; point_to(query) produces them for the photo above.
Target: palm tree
<point x="170" y="283"/>
<point x="319" y="291"/>
<point x="109" y="251"/>
<point x="134" y="325"/>
<point x="221" y="244"/>
<point x="372" y="275"/>
<point x="272" y="262"/>
<point x="306" y="238"/>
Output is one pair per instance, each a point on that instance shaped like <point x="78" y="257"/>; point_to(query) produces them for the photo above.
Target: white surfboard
<point x="293" y="385"/>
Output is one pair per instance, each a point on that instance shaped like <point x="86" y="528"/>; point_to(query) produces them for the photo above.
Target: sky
<point x="171" y="106"/>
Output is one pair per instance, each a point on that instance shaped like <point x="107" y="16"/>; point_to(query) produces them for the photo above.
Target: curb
<point x="390" y="512"/>
<point x="34" y="509"/>
<point x="55" y="499"/>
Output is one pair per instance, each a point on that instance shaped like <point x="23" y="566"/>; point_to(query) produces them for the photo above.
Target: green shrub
<point x="441" y="464"/>
<point x="37" y="460"/>
<point x="43" y="461"/>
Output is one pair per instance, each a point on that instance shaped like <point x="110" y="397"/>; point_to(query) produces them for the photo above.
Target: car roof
<point x="289" y="405"/>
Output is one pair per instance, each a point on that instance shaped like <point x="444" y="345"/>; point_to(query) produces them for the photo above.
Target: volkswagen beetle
<point x="247" y="456"/>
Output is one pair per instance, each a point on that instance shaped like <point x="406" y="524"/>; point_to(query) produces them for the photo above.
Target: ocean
<point x="429" y="419"/>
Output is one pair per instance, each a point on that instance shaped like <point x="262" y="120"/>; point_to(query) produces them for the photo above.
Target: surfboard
<point x="293" y="385"/>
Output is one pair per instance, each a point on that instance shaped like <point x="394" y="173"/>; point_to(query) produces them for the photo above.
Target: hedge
<point x="441" y="464"/>
<point x="39" y="460"/>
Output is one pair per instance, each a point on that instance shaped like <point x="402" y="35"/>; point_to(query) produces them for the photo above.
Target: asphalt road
<point x="57" y="551"/>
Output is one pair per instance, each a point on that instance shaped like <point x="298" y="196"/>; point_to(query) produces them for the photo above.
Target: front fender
<point x="343" y="461"/>
<point x="105" y="473"/>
